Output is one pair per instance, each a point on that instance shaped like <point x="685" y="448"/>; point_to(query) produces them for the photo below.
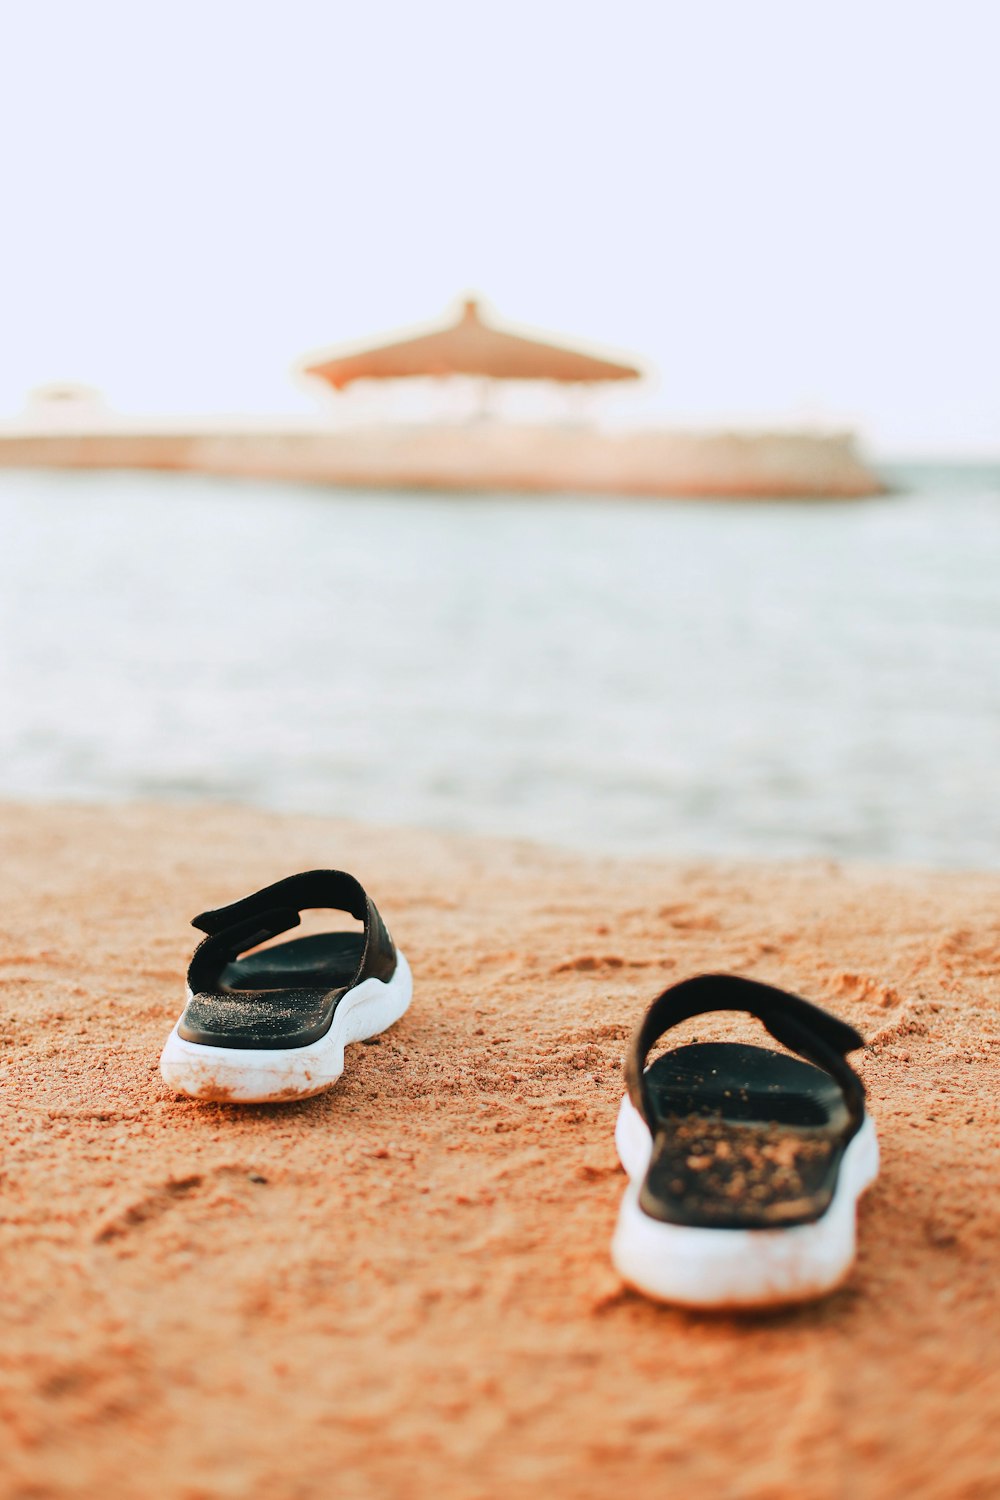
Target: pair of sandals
<point x="745" y="1165"/>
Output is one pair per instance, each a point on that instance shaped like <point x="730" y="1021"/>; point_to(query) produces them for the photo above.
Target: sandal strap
<point x="275" y="909"/>
<point x="797" y="1024"/>
<point x="294" y="894"/>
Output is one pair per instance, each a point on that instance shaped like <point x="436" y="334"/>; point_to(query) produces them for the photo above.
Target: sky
<point x="786" y="210"/>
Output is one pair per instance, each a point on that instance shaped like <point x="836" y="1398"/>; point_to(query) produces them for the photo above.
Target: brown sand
<point x="402" y="1287"/>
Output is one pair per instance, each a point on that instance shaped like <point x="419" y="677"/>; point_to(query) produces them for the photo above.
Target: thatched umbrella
<point x="470" y="346"/>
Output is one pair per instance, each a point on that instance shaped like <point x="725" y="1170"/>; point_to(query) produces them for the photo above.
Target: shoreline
<point x="483" y="458"/>
<point x="418" y="1297"/>
<point x="634" y="860"/>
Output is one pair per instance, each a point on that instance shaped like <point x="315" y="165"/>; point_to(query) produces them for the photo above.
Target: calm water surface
<point x="680" y="678"/>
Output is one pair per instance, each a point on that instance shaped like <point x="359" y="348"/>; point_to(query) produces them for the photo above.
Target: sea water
<point x="676" y="678"/>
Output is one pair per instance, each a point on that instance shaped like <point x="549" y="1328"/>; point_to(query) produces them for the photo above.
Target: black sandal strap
<point x="294" y="894"/>
<point x="803" y="1028"/>
<point x="273" y="910"/>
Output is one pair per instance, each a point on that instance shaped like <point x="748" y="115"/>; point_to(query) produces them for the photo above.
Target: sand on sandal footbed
<point x="402" y="1287"/>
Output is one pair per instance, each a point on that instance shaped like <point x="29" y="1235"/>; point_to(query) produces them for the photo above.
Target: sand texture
<point x="402" y="1287"/>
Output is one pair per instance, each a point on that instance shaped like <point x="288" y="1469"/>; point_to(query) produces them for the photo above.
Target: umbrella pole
<point x="581" y="406"/>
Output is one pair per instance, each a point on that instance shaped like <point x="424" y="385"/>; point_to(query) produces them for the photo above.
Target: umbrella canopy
<point x="469" y="346"/>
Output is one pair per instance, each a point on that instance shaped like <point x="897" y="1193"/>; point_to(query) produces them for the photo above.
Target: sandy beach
<point x="402" y="1288"/>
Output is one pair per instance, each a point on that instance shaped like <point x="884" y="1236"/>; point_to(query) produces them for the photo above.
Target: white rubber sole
<point x="237" y="1075"/>
<point x="734" y="1268"/>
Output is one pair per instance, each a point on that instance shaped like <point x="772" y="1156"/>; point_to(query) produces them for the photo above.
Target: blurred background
<point x="742" y="600"/>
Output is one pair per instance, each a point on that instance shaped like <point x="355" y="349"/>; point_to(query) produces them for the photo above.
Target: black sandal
<point x="274" y="1024"/>
<point x="745" y="1165"/>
